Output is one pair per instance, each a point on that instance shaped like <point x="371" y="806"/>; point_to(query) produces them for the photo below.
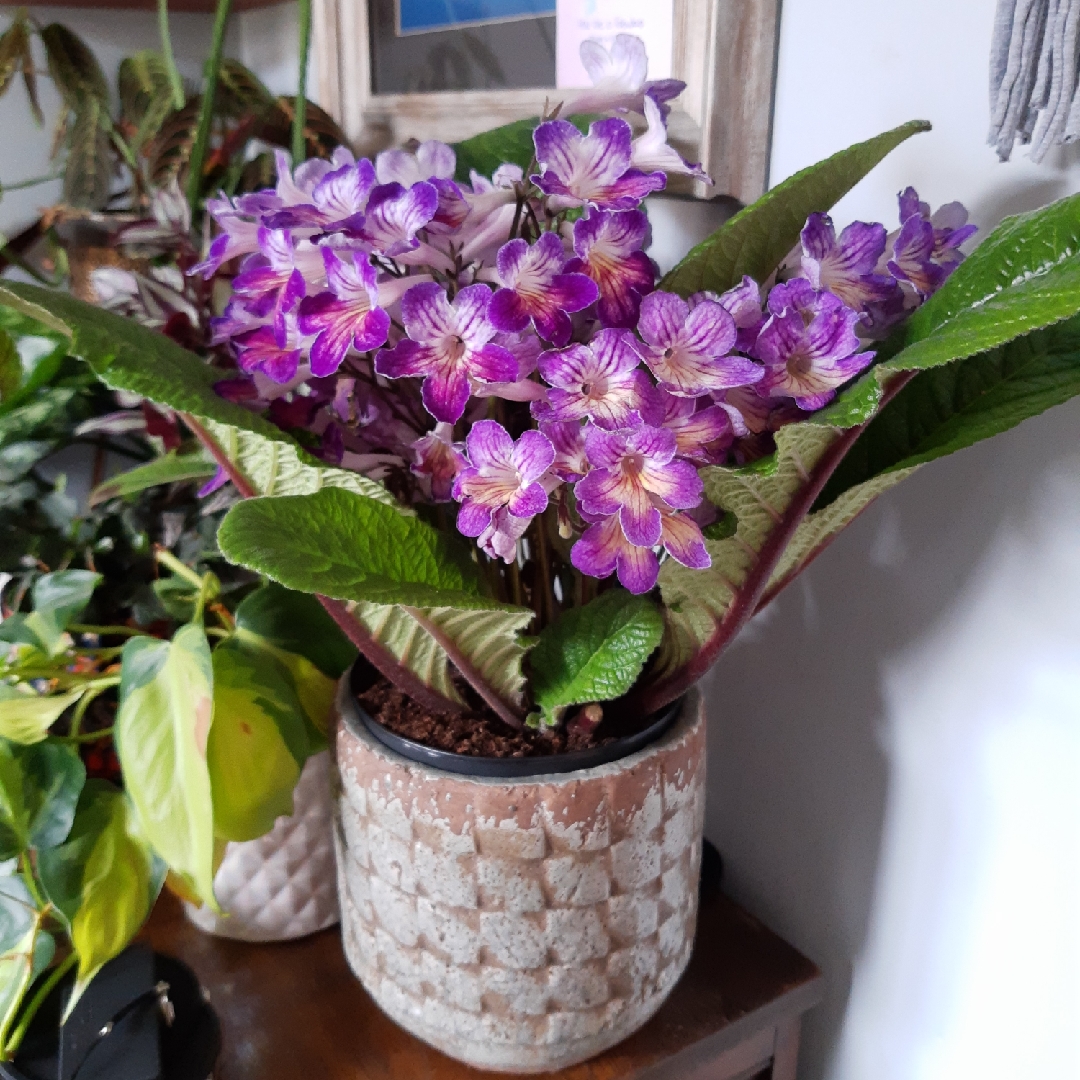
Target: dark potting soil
<point x="477" y="732"/>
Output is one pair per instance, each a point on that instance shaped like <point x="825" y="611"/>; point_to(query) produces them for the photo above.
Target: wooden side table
<point x="295" y="1010"/>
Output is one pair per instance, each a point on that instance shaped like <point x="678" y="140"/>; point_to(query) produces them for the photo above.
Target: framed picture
<point x="393" y="70"/>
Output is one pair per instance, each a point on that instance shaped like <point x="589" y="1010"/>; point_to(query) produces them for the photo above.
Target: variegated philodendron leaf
<point x="490" y="640"/>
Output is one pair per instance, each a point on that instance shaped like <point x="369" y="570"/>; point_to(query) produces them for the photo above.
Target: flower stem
<point x="78" y="740"/>
<point x="107" y="631"/>
<point x="46" y="988"/>
<point x="299" y="146"/>
<point x="167" y="55"/>
<point x="168" y="559"/>
<point x="206" y="112"/>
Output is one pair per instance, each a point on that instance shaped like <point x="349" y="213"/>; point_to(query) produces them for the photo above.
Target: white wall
<point x="920" y="844"/>
<point x="111" y="35"/>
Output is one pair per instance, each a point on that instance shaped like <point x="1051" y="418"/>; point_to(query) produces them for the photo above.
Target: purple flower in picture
<point x="602" y="381"/>
<point x="336" y="199"/>
<point x="348" y="316"/>
<point x="743" y="304"/>
<point x="525" y="348"/>
<point x="809" y="345"/>
<point x="501" y="473"/>
<point x="447" y="344"/>
<point x="688" y="350"/>
<point x="536" y="289"/>
<point x="702" y="434"/>
<point x="260" y="350"/>
<point x="604" y="549"/>
<point x="927" y="248"/>
<point x="499" y="539"/>
<point x="236" y="319"/>
<point x="440" y="459"/>
<point x="238" y="236"/>
<point x="651" y="150"/>
<point x="845" y="265"/>
<point x="593" y="169"/>
<point x="571" y="461"/>
<point x="432" y="160"/>
<point x="273" y="285"/>
<point x="608" y="247"/>
<point x="394" y="216"/>
<point x="618" y="78"/>
<point x="631" y="466"/>
<point x="682" y="539"/>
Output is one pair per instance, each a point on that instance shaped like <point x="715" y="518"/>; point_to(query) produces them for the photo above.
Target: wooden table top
<point x="294" y="1009"/>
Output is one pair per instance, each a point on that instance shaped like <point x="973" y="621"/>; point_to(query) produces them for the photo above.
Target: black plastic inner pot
<point x="363" y="675"/>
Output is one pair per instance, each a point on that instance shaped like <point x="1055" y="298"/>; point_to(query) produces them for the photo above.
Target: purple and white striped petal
<point x="651" y="151"/>
<point x="845" y="265"/>
<point x="259" y="350"/>
<point x="609" y="251"/>
<point x="433" y="159"/>
<point x="683" y="541"/>
<point x="571" y="461"/>
<point x="604" y="549"/>
<point x="395" y="215"/>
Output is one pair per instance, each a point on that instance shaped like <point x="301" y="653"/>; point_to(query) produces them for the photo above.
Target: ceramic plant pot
<point x="282" y="885"/>
<point x="520" y="924"/>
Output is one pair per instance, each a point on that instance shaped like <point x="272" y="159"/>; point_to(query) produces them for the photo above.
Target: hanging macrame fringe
<point x="1034" y="69"/>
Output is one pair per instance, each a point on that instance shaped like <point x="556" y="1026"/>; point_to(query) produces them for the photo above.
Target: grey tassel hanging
<point x="1034" y="74"/>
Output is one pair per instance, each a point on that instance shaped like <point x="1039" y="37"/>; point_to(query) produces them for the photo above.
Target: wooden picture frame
<point x="724" y="50"/>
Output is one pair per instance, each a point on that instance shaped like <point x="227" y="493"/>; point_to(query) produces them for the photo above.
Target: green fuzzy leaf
<point x="510" y="144"/>
<point x="296" y="622"/>
<point x="26" y="717"/>
<point x="74" y="69"/>
<point x="162" y="725"/>
<point x="756" y="239"/>
<point x="104" y="880"/>
<point x="343" y="545"/>
<point x="89" y="165"/>
<point x="170" y="468"/>
<point x="146" y="97"/>
<point x="127" y="356"/>
<point x="258" y="741"/>
<point x="39" y="788"/>
<point x="595" y="652"/>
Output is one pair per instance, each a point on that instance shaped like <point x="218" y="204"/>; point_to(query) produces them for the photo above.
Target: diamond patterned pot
<point x="520" y="925"/>
<point x="282" y="885"/>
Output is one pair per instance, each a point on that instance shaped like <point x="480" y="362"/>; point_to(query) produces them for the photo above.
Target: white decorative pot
<point x="520" y="925"/>
<point x="282" y="885"/>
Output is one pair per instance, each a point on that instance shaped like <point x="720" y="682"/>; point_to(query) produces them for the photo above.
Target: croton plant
<point x="457" y="403"/>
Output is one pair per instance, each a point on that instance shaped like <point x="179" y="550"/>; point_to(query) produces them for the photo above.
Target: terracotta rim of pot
<point x="356" y="717"/>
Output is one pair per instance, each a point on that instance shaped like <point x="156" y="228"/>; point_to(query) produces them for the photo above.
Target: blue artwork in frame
<point x="425" y="16"/>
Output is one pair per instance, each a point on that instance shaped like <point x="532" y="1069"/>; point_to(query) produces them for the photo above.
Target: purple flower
<point x="346" y="316"/>
<point x="439" y="458"/>
<point x="602" y="381"/>
<point x="525" y="348"/>
<point x="536" y="289"/>
<point x="927" y="249"/>
<point x="593" y="169"/>
<point x="628" y="468"/>
<point x="618" y="78"/>
<point x="604" y="549"/>
<point x="651" y="150"/>
<point x="499" y="539"/>
<point x="682" y="540"/>
<point x="432" y="159"/>
<point x="687" y="350"/>
<point x="336" y="199"/>
<point x="571" y="461"/>
<point x="808" y="345"/>
<point x="447" y="345"/>
<point x="395" y="215"/>
<point x="743" y="304"/>
<point x="260" y="350"/>
<point x="274" y="285"/>
<point x="239" y="236"/>
<point x="703" y="434"/>
<point x="609" y="251"/>
<point x="845" y="265"/>
<point x="501" y="473"/>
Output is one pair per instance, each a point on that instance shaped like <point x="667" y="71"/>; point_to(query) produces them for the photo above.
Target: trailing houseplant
<point x="537" y="487"/>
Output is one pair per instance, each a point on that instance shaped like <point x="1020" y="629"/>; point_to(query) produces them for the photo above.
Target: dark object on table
<point x="144" y="1017"/>
<point x="712" y="871"/>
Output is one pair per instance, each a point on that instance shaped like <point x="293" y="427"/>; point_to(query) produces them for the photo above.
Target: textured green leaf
<point x="297" y="623"/>
<point x="39" y="788"/>
<point x="756" y="239"/>
<point x="696" y="601"/>
<point x="10" y="369"/>
<point x="74" y="69"/>
<point x="595" y="652"/>
<point x="162" y="724"/>
<point x="343" y="545"/>
<point x="62" y="596"/>
<point x="258" y="741"/>
<point x="20" y="930"/>
<point x="127" y="356"/>
<point x="41" y="352"/>
<point x="510" y="144"/>
<point x="26" y="718"/>
<point x="116" y="889"/>
<point x="89" y="165"/>
<point x="170" y="468"/>
<point x="951" y="407"/>
<point x="145" y="94"/>
<point x="13" y="45"/>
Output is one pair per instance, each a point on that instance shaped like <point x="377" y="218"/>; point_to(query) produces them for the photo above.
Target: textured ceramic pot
<point x="282" y="885"/>
<point x="520" y="925"/>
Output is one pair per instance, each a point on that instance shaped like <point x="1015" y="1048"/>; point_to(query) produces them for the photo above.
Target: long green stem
<point x="168" y="559"/>
<point x="78" y="740"/>
<point x="106" y="631"/>
<point x="36" y="1002"/>
<point x="20" y="184"/>
<point x="167" y="54"/>
<point x="299" y="146"/>
<point x="206" y="112"/>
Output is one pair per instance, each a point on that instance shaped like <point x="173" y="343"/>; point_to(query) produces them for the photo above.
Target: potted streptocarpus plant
<point x="541" y="491"/>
